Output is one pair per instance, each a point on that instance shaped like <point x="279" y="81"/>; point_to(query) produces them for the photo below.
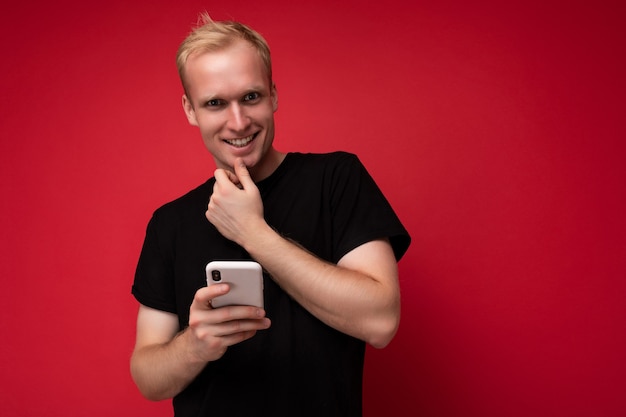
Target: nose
<point x="238" y="120"/>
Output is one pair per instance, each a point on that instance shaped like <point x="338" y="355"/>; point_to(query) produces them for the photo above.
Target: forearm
<point x="346" y="298"/>
<point x="163" y="370"/>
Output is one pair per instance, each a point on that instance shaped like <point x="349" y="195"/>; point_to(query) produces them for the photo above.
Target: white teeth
<point x="239" y="143"/>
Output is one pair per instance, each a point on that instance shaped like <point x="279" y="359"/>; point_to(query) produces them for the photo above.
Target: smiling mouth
<point x="241" y="142"/>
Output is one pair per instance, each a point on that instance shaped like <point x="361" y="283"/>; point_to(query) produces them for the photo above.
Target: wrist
<point x="262" y="239"/>
<point x="191" y="350"/>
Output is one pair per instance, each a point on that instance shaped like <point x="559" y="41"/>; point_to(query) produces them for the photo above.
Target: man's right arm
<point x="165" y="360"/>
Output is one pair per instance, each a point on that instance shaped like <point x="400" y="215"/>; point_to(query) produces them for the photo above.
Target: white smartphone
<point x="245" y="279"/>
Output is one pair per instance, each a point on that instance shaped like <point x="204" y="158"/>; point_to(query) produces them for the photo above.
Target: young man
<point x="326" y="237"/>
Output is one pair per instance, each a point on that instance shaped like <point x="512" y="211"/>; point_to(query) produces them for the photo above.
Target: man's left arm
<point x="359" y="296"/>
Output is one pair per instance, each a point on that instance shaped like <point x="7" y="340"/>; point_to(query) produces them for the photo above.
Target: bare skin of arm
<point x="165" y="360"/>
<point x="359" y="296"/>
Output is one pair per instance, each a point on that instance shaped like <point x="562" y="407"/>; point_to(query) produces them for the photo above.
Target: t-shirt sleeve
<point x="154" y="282"/>
<point x="361" y="211"/>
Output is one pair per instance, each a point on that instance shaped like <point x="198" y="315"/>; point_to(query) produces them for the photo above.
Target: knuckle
<point x="236" y="326"/>
<point x="225" y="314"/>
<point x="194" y="322"/>
<point x="215" y="344"/>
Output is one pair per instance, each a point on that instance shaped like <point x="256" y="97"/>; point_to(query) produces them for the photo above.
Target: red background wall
<point x="495" y="130"/>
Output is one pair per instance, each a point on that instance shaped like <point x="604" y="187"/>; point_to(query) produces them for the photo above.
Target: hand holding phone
<point x="244" y="278"/>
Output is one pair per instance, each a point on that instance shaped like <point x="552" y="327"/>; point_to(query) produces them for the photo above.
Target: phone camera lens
<point x="216" y="275"/>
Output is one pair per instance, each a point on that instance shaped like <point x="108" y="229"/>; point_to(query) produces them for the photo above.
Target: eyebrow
<point x="215" y="96"/>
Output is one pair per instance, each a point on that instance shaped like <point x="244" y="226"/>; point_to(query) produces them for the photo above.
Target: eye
<point x="214" y="103"/>
<point x="251" y="97"/>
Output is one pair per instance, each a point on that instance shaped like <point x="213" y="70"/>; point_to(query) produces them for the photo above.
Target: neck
<point x="267" y="166"/>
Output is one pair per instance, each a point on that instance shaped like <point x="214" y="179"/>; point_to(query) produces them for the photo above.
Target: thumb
<point x="242" y="173"/>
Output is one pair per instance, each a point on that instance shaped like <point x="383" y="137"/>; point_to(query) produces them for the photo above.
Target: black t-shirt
<point x="328" y="204"/>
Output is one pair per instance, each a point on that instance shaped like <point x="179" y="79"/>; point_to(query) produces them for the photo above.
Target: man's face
<point x="230" y="99"/>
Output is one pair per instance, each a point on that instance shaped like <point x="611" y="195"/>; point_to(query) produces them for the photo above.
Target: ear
<point x="274" y="96"/>
<point x="189" y="111"/>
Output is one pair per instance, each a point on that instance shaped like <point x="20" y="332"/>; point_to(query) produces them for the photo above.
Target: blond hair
<point x="211" y="36"/>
